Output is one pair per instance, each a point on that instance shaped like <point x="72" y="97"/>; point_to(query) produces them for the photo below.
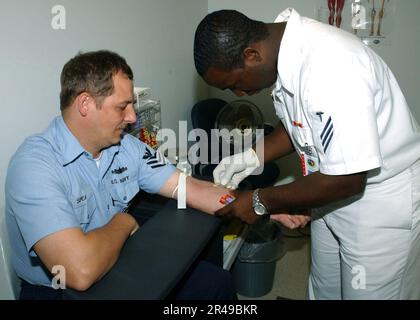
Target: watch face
<point x="260" y="210"/>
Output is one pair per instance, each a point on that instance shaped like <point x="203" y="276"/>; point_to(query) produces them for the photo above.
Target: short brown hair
<point x="91" y="72"/>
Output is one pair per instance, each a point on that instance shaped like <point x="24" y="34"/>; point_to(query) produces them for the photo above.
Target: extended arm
<point x="201" y="195"/>
<point x="277" y="144"/>
<point x="310" y="191"/>
<point x="313" y="191"/>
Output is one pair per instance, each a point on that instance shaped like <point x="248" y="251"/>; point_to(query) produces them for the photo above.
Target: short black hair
<point x="222" y="36"/>
<point x="91" y="72"/>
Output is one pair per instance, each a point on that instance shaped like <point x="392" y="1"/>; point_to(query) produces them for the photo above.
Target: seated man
<point x="67" y="188"/>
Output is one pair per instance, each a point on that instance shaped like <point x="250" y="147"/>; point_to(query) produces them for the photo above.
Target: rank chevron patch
<point x="327" y="134"/>
<point x="154" y="160"/>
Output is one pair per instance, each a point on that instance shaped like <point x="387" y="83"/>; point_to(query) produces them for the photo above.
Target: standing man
<point x="67" y="189"/>
<point x="342" y="111"/>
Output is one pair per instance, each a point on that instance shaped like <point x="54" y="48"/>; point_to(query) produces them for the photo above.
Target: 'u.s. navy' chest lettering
<point x="120" y="180"/>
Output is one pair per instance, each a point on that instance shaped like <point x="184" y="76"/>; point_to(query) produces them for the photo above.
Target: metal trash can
<point x="254" y="269"/>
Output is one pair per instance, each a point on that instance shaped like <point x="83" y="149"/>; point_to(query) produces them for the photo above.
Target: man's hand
<point x="232" y="170"/>
<point x="240" y="208"/>
<point x="292" y="221"/>
<point x="135" y="225"/>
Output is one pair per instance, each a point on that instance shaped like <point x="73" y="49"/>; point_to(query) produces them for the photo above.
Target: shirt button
<point x="125" y="198"/>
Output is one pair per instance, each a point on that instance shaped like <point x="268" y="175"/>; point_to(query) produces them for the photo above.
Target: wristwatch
<point x="258" y="206"/>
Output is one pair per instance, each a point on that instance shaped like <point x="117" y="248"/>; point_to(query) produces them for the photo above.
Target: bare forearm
<point x="201" y="195"/>
<point x="312" y="191"/>
<point x="276" y="145"/>
<point x="204" y="195"/>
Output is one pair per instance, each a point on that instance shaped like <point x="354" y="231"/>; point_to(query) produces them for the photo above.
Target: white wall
<point x="155" y="36"/>
<point x="402" y="55"/>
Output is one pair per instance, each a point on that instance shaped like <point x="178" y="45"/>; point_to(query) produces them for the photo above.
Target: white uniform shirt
<point x="341" y="104"/>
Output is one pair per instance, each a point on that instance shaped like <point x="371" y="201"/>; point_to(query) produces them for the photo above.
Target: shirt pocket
<point x="122" y="194"/>
<point x="84" y="207"/>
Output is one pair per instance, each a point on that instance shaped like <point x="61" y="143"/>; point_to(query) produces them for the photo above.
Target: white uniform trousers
<point x="368" y="247"/>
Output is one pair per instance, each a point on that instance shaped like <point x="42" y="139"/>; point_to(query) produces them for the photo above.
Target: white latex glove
<point x="232" y="170"/>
